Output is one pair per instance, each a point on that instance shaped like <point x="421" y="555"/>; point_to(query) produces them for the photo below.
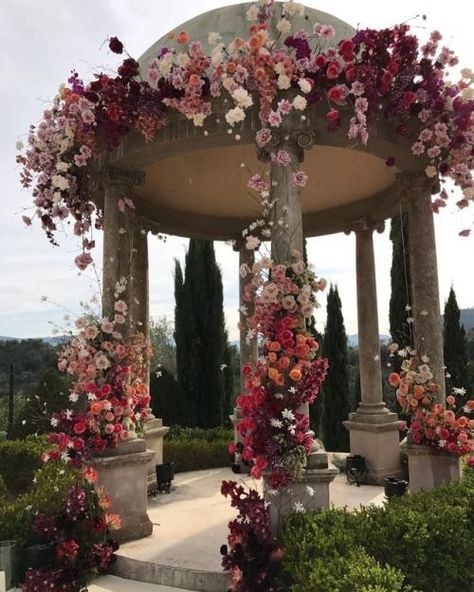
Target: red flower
<point x="80" y="427"/>
<point x="67" y="550"/>
<point x="333" y="71"/>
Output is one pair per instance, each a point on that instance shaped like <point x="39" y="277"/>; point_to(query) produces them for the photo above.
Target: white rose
<point x="283" y="82"/>
<point x="242" y="97"/>
<point x="182" y="59"/>
<point x="284" y="25"/>
<point x="300" y="103"/>
<point x="304" y="85"/>
<point x="235" y="115"/>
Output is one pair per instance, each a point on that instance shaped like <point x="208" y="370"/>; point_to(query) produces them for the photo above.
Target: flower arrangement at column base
<point x="438" y="436"/>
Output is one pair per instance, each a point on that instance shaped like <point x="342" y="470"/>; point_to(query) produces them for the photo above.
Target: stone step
<point x="115" y="584"/>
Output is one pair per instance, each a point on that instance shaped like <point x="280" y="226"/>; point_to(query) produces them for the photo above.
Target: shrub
<point x="47" y="496"/>
<point x="19" y="459"/>
<point x="424" y="535"/>
<point x="209" y="435"/>
<point x="195" y="455"/>
<point x="3" y="488"/>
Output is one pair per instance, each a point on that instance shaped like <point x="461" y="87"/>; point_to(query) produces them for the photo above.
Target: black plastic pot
<point x="164" y="476"/>
<point x="356" y="469"/>
<point x="36" y="557"/>
<point x="395" y="487"/>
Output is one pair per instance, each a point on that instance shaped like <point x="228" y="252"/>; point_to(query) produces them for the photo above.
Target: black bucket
<point x="164" y="476"/>
<point x="356" y="469"/>
<point x="395" y="487"/>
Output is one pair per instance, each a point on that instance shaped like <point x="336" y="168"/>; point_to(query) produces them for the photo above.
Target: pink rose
<point x="299" y="179"/>
<point x="263" y="136"/>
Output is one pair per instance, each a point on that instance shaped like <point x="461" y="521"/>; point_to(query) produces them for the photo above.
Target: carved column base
<point x="155" y="431"/>
<point x="123" y="475"/>
<point x="312" y="490"/>
<point x="378" y="442"/>
<point x="429" y="468"/>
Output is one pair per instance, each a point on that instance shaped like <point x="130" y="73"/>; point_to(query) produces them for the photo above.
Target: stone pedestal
<point x="155" y="431"/>
<point x="123" y="475"/>
<point x="312" y="490"/>
<point x="429" y="468"/>
<point x="378" y="443"/>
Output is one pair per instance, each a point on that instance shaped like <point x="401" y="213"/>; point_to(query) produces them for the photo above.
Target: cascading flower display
<point x="375" y="75"/>
<point x="274" y="428"/>
<point x="447" y="428"/>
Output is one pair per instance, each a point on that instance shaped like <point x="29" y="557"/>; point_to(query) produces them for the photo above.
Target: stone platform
<point x="190" y="525"/>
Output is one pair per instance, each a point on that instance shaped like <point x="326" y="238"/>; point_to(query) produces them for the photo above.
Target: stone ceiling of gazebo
<point x="195" y="184"/>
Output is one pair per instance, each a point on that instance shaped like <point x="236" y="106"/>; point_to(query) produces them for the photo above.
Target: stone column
<point x="286" y="240"/>
<point x="155" y="431"/>
<point x="139" y="297"/>
<point x="374" y="431"/>
<point x="118" y="240"/>
<point x="428" y="468"/>
<point x="428" y="333"/>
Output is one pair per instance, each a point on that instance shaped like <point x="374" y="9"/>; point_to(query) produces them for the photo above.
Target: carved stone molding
<point x="365" y="225"/>
<point x="126" y="177"/>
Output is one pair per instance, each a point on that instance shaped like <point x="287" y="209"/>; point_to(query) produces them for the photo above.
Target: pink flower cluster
<point x="109" y="398"/>
<point x="288" y="374"/>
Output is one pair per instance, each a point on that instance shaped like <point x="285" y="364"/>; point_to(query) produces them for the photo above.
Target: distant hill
<point x="50" y="340"/>
<point x="467" y="318"/>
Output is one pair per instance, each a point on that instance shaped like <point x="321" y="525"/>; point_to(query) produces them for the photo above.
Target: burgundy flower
<point x="115" y="45"/>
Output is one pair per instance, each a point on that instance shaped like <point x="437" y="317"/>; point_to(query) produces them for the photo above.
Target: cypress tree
<point x="183" y="340"/>
<point x="455" y="345"/>
<point x="199" y="329"/>
<point x="336" y="404"/>
<point x="400" y="282"/>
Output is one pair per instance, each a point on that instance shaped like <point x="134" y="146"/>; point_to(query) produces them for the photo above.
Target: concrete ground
<point x="190" y="523"/>
<point x="114" y="584"/>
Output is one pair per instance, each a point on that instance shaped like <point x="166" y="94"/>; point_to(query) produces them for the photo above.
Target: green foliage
<point x="19" y="459"/>
<point x="167" y="398"/>
<point x="455" y="345"/>
<point x="424" y="536"/>
<point x="3" y="488"/>
<point x="207" y="435"/>
<point x="51" y="395"/>
<point x="400" y="282"/>
<point x="162" y="341"/>
<point x="199" y="333"/>
<point x="16" y="517"/>
<point x="335" y="391"/>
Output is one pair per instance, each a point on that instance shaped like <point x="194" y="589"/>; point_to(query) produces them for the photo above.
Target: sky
<point x="41" y="41"/>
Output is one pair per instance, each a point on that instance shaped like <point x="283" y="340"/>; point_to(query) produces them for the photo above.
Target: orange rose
<point x="283" y="363"/>
<point x="274" y="346"/>
<point x="450" y="400"/>
<point x="403" y="388"/>
<point x="295" y="374"/>
<point x="413" y="402"/>
<point x="256" y="41"/>
<point x="394" y="379"/>
<point x="231" y="67"/>
<point x="272" y="357"/>
<point x="182" y="37"/>
<point x="280" y="381"/>
<point x="462" y="421"/>
<point x="418" y="391"/>
<point x="273" y="374"/>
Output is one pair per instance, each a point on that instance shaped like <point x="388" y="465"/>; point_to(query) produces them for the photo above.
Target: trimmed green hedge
<point x="427" y="536"/>
<point x="195" y="455"/>
<point x="194" y="449"/>
<point x="19" y="459"/>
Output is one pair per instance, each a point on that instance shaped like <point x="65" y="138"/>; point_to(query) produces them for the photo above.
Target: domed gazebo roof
<point x="196" y="178"/>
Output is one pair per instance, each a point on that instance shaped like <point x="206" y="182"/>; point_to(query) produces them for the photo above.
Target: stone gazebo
<point x="192" y="182"/>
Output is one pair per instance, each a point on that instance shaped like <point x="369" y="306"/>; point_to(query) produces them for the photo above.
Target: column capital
<point x="294" y="139"/>
<point x="124" y="177"/>
<point x="365" y="225"/>
<point x="411" y="185"/>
